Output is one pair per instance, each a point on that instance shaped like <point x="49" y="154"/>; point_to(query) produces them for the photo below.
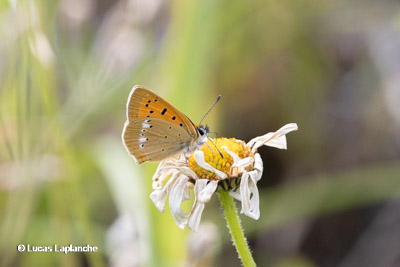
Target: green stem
<point x="235" y="228"/>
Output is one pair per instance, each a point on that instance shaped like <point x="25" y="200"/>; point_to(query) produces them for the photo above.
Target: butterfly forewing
<point x="155" y="129"/>
<point x="144" y="103"/>
<point x="152" y="139"/>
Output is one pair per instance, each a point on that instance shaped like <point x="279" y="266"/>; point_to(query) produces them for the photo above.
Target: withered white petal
<point x="176" y="196"/>
<point x="187" y="171"/>
<point x="238" y="167"/>
<point x="158" y="180"/>
<point x="290" y="127"/>
<point x="236" y="195"/>
<point x="245" y="192"/>
<point x="254" y="210"/>
<point x="202" y="193"/>
<point x="199" y="158"/>
<point x="243" y="163"/>
<point x="258" y="165"/>
<point x="157" y="184"/>
<point x="197" y="209"/>
<point x="206" y="194"/>
<point x="186" y="194"/>
<point x="272" y="141"/>
<point x="249" y="194"/>
<point x="256" y="139"/>
<point x="234" y="156"/>
<point x="275" y="139"/>
<point x="159" y="196"/>
<point x="164" y="170"/>
<point x="238" y="163"/>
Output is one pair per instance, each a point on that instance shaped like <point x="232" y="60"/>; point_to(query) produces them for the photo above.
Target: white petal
<point x="256" y="139"/>
<point x="199" y="158"/>
<point x="243" y="163"/>
<point x="276" y="139"/>
<point x="176" y="196"/>
<point x="236" y="195"/>
<point x="258" y="166"/>
<point x="258" y="163"/>
<point x="249" y="194"/>
<point x="159" y="196"/>
<point x="186" y="194"/>
<point x="254" y="211"/>
<point x="164" y="170"/>
<point x="187" y="171"/>
<point x="272" y="141"/>
<point x="157" y="180"/>
<point x="198" y="207"/>
<point x="202" y="193"/>
<point x="206" y="194"/>
<point x="157" y="183"/>
<point x="234" y="156"/>
<point x="239" y="164"/>
<point x="245" y="192"/>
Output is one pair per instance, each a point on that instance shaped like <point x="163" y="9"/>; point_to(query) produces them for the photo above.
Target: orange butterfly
<point x="155" y="130"/>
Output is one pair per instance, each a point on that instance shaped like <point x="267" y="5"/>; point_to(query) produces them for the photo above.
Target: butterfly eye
<point x="201" y="131"/>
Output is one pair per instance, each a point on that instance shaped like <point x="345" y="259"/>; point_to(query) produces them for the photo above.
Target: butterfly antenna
<point x="211" y="149"/>
<point x="214" y="133"/>
<point x="216" y="101"/>
<point x="222" y="156"/>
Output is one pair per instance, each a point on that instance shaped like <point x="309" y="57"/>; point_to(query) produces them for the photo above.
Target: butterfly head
<point x="202" y="132"/>
<point x="203" y="137"/>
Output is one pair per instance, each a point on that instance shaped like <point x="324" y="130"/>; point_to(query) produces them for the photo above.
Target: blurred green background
<point x="333" y="67"/>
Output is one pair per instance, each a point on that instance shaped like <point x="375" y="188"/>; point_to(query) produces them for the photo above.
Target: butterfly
<point x="155" y="130"/>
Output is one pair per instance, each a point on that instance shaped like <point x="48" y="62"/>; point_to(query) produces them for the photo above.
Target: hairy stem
<point x="232" y="219"/>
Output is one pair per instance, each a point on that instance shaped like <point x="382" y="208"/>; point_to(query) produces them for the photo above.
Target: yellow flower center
<point x="213" y="157"/>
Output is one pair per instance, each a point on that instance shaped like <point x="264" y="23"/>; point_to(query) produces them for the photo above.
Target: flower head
<point x="205" y="171"/>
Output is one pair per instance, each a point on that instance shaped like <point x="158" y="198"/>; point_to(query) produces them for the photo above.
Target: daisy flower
<point x="206" y="172"/>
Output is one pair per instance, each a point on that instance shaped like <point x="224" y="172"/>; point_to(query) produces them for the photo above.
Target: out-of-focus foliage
<point x="66" y="69"/>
